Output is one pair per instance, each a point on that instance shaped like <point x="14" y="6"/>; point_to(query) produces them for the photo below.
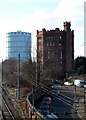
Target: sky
<point x="32" y="15"/>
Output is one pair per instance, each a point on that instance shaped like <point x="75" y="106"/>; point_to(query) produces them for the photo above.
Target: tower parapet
<point x="67" y="26"/>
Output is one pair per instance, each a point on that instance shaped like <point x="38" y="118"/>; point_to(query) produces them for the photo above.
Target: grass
<point x="10" y="91"/>
<point x="70" y="79"/>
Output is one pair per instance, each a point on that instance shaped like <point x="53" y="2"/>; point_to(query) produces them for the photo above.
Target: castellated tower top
<point x="67" y="26"/>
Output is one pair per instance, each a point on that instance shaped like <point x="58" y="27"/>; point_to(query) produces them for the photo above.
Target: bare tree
<point x="9" y="71"/>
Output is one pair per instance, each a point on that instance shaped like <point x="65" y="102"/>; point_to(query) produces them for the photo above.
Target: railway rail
<point x="69" y="101"/>
<point x="9" y="106"/>
<point x="8" y="110"/>
<point x="45" y="89"/>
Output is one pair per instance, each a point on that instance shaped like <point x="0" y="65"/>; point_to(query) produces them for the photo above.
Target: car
<point x="79" y="83"/>
<point x="68" y="83"/>
<point x="52" y="117"/>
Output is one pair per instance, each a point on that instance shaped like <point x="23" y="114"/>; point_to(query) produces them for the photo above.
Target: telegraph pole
<point x="75" y="97"/>
<point x="84" y="90"/>
<point x="2" y="71"/>
<point x="84" y="94"/>
<point x="36" y="76"/>
<point x="18" y="92"/>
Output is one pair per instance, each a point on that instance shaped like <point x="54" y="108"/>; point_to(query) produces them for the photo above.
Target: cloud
<point x="65" y="10"/>
<point x="73" y="11"/>
<point x="28" y="1"/>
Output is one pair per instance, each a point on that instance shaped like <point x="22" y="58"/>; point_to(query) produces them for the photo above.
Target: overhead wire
<point x="80" y="46"/>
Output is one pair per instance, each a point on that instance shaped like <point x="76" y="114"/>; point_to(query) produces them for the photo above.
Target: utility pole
<point x="18" y="93"/>
<point x="84" y="89"/>
<point x="36" y="76"/>
<point x="2" y="71"/>
<point x="75" y="97"/>
<point x="84" y="94"/>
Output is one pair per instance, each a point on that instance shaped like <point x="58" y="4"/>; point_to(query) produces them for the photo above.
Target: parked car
<point x="68" y="83"/>
<point x="79" y="83"/>
<point x="52" y="117"/>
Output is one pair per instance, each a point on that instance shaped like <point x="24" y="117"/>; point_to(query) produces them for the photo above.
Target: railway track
<point x="69" y="101"/>
<point x="60" y="96"/>
<point x="7" y="114"/>
<point x="15" y="116"/>
<point x="13" y="113"/>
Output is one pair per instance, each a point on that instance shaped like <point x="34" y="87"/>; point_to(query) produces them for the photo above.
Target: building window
<point x="61" y="67"/>
<point x="48" y="54"/>
<point x="48" y="57"/>
<point x="60" y="43"/>
<point x="47" y="43"/>
<point x="53" y="44"/>
<point x="39" y="38"/>
<point x="54" y="37"/>
<point x="56" y="54"/>
<point x="46" y="38"/>
<point x="61" y="57"/>
<point x="50" y="43"/>
<point x="61" y="62"/>
<point x="61" y="54"/>
<point x="52" y="54"/>
<point x="49" y="37"/>
<point x="60" y="37"/>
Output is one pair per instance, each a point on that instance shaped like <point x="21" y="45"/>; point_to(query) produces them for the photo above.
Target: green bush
<point x="70" y="79"/>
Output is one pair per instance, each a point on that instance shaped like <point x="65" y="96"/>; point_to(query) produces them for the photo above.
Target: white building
<point x="19" y="43"/>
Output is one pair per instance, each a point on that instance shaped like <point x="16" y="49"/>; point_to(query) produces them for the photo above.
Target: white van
<point x="79" y="82"/>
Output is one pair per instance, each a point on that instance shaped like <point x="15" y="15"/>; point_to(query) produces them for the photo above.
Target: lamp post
<point x="32" y="106"/>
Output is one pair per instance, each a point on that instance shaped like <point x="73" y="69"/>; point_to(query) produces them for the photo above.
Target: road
<point x="70" y="91"/>
<point x="62" y="109"/>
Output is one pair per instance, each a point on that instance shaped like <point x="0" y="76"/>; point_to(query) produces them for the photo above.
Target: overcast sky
<point x="29" y="16"/>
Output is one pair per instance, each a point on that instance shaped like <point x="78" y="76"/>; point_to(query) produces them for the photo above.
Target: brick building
<point x="55" y="48"/>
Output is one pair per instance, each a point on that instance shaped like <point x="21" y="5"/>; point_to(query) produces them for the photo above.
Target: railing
<point x="33" y="110"/>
